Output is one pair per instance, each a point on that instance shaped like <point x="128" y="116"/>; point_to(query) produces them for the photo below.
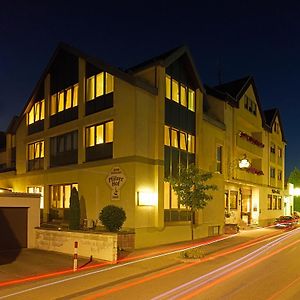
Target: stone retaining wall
<point x="99" y="245"/>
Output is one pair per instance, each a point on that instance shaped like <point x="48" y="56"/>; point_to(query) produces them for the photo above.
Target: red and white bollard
<point x="75" y="261"/>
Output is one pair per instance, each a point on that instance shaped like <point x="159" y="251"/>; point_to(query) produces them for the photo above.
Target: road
<point x="266" y="268"/>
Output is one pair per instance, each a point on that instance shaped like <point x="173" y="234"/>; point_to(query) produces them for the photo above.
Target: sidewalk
<point x="32" y="262"/>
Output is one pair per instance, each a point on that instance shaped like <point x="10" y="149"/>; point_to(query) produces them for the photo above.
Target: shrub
<point x="74" y="214"/>
<point x="194" y="253"/>
<point x="112" y="217"/>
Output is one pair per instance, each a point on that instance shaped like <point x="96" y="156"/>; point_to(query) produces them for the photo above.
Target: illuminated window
<point x="109" y="83"/>
<point x="109" y="132"/>
<point x="98" y="85"/>
<point x="35" y="155"/>
<point x="60" y="195"/>
<point x="68" y="98"/>
<point x="180" y="93"/>
<point x="90" y="88"/>
<point x="168" y="87"/>
<point x="36" y="113"/>
<point x="36" y="150"/>
<point x="37" y="190"/>
<point x="175" y="90"/>
<point x="174" y="136"/>
<point x="99" y="134"/>
<point x="183" y="141"/>
<point x="167" y="136"/>
<point x="90" y="135"/>
<point x="219" y="159"/>
<point x="60" y="101"/>
<point x="191" y="100"/>
<point x="183" y="96"/>
<point x="279" y="175"/>
<point x="191" y="143"/>
<point x="64" y="100"/>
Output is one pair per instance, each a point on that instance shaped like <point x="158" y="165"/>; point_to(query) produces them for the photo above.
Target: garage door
<point x="13" y="227"/>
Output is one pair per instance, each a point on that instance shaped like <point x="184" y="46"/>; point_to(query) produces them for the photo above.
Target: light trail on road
<point x="176" y="269"/>
<point x="132" y="261"/>
<point x="137" y="258"/>
<point x="204" y="282"/>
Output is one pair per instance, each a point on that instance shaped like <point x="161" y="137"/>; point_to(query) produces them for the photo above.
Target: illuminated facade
<point x="116" y="135"/>
<point x="254" y="151"/>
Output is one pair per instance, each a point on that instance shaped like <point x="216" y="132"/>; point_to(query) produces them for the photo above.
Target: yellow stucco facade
<point x="71" y="142"/>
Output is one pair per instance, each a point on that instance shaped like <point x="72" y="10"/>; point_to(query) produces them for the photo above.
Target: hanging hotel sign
<point x="275" y="191"/>
<point x="115" y="179"/>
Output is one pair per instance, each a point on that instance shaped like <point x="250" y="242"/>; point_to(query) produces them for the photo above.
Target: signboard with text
<point x="115" y="179"/>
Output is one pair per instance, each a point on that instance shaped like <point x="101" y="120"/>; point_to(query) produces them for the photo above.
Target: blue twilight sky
<point x="259" y="38"/>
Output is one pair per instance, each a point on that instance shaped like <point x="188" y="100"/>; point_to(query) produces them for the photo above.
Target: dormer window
<point x="276" y="127"/>
<point x="250" y="105"/>
<point x="36" y="113"/>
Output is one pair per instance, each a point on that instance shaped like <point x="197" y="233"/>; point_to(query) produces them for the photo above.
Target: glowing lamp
<point x="296" y="192"/>
<point x="244" y="163"/>
<point x="146" y="199"/>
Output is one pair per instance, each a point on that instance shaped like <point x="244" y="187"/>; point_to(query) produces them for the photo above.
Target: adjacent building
<point x="116" y="135"/>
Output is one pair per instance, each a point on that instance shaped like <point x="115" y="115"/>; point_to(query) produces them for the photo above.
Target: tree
<point x="74" y="218"/>
<point x="191" y="188"/>
<point x="112" y="217"/>
<point x="294" y="177"/>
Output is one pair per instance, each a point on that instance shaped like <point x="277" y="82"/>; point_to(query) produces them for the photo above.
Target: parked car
<point x="285" y="221"/>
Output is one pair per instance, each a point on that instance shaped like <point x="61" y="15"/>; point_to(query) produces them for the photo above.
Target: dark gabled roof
<point x="12" y="127"/>
<point x="166" y="59"/>
<point x="93" y="61"/>
<point x="159" y="59"/>
<point x="220" y="95"/>
<point x="235" y="88"/>
<point x="232" y="92"/>
<point x="270" y="116"/>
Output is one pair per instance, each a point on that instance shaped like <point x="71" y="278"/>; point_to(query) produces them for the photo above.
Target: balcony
<point x="250" y="144"/>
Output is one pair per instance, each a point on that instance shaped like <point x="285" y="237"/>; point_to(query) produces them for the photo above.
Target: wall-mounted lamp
<point x="146" y="199"/>
<point x="244" y="163"/>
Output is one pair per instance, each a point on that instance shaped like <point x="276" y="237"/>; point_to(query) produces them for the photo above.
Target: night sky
<point x="259" y="38"/>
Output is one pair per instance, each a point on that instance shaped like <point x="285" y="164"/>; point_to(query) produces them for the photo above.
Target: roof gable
<point x="271" y="115"/>
<point x="66" y="51"/>
<point x="170" y="57"/>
